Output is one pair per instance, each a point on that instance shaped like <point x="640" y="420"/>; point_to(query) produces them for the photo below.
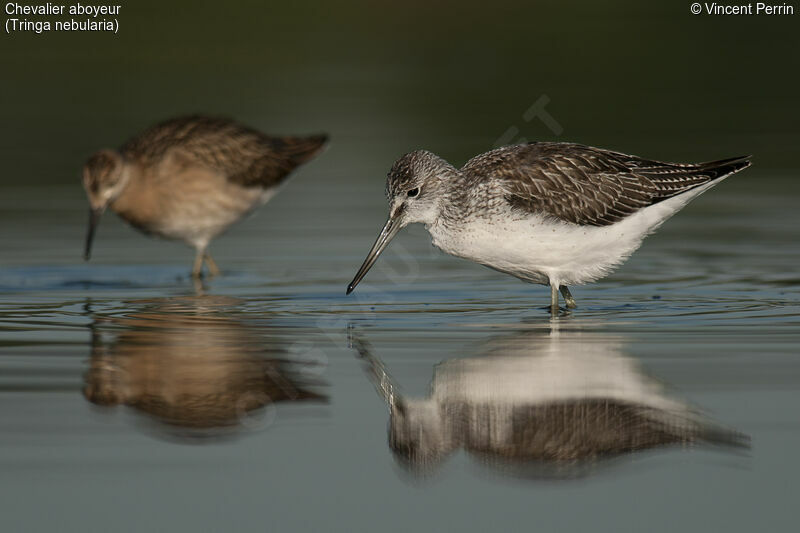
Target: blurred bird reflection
<point x="539" y="404"/>
<point x="192" y="371"/>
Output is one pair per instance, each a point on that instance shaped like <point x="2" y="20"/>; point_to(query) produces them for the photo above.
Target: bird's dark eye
<point x="413" y="192"/>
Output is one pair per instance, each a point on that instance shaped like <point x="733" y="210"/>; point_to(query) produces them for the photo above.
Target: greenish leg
<point x="568" y="299"/>
<point x="554" y="299"/>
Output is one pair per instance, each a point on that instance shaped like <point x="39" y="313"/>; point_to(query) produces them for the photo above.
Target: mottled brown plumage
<point x="244" y="155"/>
<point x="190" y="178"/>
<point x="586" y="185"/>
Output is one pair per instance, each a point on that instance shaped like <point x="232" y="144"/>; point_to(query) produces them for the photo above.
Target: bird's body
<point x="540" y="248"/>
<point x="206" y="205"/>
<point x="191" y="178"/>
<point x="557" y="214"/>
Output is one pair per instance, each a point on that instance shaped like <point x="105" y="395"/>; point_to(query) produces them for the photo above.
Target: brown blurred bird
<point x="190" y="178"/>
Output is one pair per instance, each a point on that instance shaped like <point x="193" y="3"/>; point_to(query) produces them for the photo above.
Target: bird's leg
<point x="199" y="288"/>
<point x="197" y="269"/>
<point x="554" y="298"/>
<point x="213" y="269"/>
<point x="568" y="299"/>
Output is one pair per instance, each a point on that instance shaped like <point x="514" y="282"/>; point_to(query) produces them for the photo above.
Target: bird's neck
<point x="454" y="197"/>
<point x="135" y="202"/>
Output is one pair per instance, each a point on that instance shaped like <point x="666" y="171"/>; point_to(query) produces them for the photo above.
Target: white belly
<point x="542" y="250"/>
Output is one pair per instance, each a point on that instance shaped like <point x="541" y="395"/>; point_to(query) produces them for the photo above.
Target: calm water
<point x="125" y="390"/>
<point x="132" y="400"/>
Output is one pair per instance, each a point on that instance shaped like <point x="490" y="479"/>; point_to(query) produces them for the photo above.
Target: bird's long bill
<point x="387" y="234"/>
<point x="94" y="219"/>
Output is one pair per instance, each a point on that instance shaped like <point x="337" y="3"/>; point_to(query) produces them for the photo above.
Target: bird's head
<point x="103" y="179"/>
<point x="415" y="186"/>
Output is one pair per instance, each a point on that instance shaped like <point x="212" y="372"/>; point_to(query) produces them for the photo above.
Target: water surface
<point x="125" y="388"/>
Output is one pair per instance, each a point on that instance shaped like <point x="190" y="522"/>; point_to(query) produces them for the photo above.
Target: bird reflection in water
<point x="539" y="404"/>
<point x="193" y="371"/>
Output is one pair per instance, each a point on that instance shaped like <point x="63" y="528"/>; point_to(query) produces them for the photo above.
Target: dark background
<point x="383" y="78"/>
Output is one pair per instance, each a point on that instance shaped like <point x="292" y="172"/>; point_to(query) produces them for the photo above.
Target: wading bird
<point x="556" y="214"/>
<point x="190" y="178"/>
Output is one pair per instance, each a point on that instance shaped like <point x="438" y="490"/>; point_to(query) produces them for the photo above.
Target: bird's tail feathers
<point x="725" y="167"/>
<point x="301" y="149"/>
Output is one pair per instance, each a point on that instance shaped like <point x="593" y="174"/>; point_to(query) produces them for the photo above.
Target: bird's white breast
<point x="542" y="249"/>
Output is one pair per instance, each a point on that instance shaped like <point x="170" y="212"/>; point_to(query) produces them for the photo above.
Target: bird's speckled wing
<point x="586" y="185"/>
<point x="246" y="156"/>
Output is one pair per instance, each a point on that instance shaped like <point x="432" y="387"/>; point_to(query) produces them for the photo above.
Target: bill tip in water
<point x="350" y="288"/>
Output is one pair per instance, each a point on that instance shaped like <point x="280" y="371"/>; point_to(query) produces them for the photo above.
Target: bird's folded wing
<point x="276" y="159"/>
<point x="244" y="155"/>
<point x="585" y="185"/>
